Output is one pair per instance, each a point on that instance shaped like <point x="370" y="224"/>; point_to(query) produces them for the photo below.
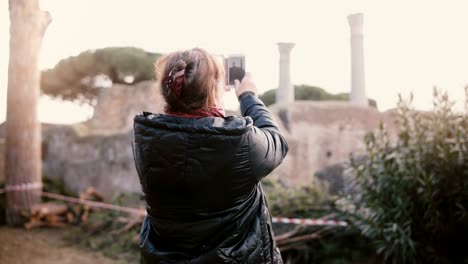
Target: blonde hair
<point x="203" y="72"/>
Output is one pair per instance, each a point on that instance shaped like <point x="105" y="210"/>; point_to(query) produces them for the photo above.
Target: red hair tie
<point x="175" y="81"/>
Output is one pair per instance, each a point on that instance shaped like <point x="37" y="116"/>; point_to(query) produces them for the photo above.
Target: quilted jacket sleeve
<point x="267" y="146"/>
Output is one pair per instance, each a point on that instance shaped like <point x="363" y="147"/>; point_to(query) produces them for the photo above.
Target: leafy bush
<point x="313" y="93"/>
<point x="295" y="201"/>
<point x="414" y="199"/>
<point x="334" y="246"/>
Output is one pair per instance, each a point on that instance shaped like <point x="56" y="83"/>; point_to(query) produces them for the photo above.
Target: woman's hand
<point x="247" y="85"/>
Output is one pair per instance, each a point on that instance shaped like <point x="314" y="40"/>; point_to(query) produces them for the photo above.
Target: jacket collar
<point x="230" y="125"/>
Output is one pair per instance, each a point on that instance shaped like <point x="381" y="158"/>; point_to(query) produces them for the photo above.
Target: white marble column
<point x="358" y="81"/>
<point x="285" y="92"/>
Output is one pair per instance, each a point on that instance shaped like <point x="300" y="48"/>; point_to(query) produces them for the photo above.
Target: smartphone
<point x="234" y="68"/>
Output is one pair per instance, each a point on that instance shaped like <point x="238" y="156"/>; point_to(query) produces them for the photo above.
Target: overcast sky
<point x="409" y="46"/>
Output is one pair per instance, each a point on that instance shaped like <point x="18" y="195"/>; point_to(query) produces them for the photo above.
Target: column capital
<point x="355" y="22"/>
<point x="285" y="47"/>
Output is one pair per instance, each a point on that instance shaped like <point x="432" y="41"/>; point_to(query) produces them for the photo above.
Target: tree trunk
<point x="23" y="165"/>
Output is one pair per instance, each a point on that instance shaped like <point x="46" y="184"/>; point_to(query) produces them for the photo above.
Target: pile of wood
<point x="56" y="214"/>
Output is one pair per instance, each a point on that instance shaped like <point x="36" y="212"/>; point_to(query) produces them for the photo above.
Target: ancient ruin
<point x="358" y="82"/>
<point x="285" y="93"/>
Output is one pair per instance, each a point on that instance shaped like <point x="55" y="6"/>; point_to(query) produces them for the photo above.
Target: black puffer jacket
<point x="201" y="178"/>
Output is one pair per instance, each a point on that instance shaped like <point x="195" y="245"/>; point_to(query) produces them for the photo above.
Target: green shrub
<point x="312" y="93"/>
<point x="295" y="201"/>
<point x="413" y="202"/>
<point x="336" y="245"/>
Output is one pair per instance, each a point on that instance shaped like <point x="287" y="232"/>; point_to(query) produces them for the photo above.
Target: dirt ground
<point x="43" y="246"/>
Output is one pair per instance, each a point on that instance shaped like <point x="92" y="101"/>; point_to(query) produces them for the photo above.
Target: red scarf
<point x="215" y="111"/>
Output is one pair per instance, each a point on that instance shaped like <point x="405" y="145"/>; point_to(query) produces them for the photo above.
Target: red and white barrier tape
<point x="21" y="187"/>
<point x="314" y="222"/>
<point x="283" y="220"/>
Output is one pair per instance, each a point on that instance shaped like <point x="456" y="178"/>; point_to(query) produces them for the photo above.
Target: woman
<point x="200" y="170"/>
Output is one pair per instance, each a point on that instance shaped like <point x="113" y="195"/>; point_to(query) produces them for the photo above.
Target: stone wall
<point x="118" y="105"/>
<point x="325" y="133"/>
<point x="104" y="162"/>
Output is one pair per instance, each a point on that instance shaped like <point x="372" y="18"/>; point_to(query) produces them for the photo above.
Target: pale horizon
<point x="408" y="47"/>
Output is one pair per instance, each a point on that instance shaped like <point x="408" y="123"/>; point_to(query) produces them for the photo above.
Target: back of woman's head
<point x="189" y="80"/>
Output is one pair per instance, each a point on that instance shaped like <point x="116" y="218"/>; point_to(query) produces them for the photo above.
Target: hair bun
<point x="180" y="65"/>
